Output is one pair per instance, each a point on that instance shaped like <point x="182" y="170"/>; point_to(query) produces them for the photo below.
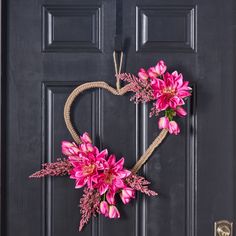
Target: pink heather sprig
<point x="142" y="88"/>
<point x="154" y="111"/>
<point x="140" y="184"/>
<point x="59" y="168"/>
<point x="89" y="206"/>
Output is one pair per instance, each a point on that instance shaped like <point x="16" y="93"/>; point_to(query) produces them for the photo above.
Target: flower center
<point x="87" y="170"/>
<point x="169" y="91"/>
<point x="109" y="177"/>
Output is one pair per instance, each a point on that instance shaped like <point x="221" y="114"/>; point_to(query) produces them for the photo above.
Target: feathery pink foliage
<point x="59" y="168"/>
<point x="140" y="184"/>
<point x="142" y="88"/>
<point x="89" y="206"/>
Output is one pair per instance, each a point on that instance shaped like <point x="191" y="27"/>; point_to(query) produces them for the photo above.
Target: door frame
<point x="3" y="63"/>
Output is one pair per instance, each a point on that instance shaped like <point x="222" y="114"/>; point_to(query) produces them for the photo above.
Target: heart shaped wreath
<point x="101" y="175"/>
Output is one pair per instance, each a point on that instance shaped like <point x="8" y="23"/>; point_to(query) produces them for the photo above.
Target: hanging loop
<point x="118" y="58"/>
<point x="118" y="66"/>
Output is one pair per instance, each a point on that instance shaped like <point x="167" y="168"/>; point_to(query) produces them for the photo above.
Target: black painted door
<point x="49" y="47"/>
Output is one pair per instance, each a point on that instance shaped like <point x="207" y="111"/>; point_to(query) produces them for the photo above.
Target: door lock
<point x="223" y="228"/>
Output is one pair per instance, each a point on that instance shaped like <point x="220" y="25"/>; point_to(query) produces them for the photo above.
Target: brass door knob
<point x="223" y="228"/>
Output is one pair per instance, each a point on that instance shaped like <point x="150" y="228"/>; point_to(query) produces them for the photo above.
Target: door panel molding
<point x="71" y="28"/>
<point x="150" y="20"/>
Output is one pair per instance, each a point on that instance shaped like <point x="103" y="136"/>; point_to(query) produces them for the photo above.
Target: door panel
<point x="50" y="47"/>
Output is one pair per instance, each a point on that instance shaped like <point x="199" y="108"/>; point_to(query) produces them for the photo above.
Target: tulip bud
<point x="85" y="138"/>
<point x="104" y="208"/>
<point x="158" y="70"/>
<point x="180" y="111"/>
<point x="142" y="74"/>
<point x="126" y="195"/>
<point x="160" y="67"/>
<point x="163" y="123"/>
<point x="173" y="128"/>
<point x="69" y="149"/>
<point x="113" y="212"/>
<point x="110" y="196"/>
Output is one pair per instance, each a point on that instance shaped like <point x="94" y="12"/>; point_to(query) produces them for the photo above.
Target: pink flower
<point x="180" y="111"/>
<point x="86" y="147"/>
<point x="69" y="149"/>
<point x="86" y="168"/>
<point x="85" y="138"/>
<point x="173" y="128"/>
<point x="110" y="196"/>
<point x="127" y="194"/>
<point x="104" y="208"/>
<point x="171" y="91"/>
<point x="86" y="163"/>
<point x="112" y="177"/>
<point x="158" y="70"/>
<point x="113" y="212"/>
<point x="142" y="74"/>
<point x="163" y="123"/>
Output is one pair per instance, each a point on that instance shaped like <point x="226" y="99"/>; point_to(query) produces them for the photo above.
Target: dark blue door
<point x="50" y="47"/>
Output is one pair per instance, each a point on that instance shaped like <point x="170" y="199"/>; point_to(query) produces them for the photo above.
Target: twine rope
<point x="118" y="92"/>
<point x="118" y="70"/>
<point x="76" y="92"/>
<point x="157" y="141"/>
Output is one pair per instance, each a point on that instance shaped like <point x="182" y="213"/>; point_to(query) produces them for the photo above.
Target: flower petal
<point x="110" y="196"/>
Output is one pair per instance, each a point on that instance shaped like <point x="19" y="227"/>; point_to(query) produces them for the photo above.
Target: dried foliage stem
<point x="59" y="168"/>
<point x="89" y="206"/>
<point x="140" y="184"/>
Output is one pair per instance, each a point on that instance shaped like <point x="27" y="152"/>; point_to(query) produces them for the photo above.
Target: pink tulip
<point x="163" y="123"/>
<point x="110" y="196"/>
<point x="87" y="147"/>
<point x="113" y="212"/>
<point x="69" y="149"/>
<point x="85" y="138"/>
<point x="127" y="194"/>
<point x="142" y="74"/>
<point x="173" y="128"/>
<point x="158" y="70"/>
<point x="104" y="208"/>
<point x="180" y="111"/>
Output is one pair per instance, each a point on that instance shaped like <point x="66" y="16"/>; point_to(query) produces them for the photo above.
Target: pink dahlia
<point x="86" y="168"/>
<point x="86" y="163"/>
<point x="112" y="178"/>
<point x="171" y="91"/>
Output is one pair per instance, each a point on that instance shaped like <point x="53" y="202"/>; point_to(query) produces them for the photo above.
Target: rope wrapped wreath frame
<point x="118" y="92"/>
